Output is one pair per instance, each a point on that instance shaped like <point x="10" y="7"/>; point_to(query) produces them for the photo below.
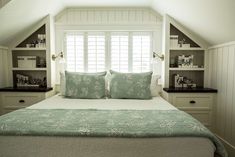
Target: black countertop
<point x="190" y="90"/>
<point x="25" y="89"/>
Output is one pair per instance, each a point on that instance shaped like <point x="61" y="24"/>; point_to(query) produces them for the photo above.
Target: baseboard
<point x="229" y="147"/>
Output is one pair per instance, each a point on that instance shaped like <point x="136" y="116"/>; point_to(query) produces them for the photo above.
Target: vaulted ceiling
<point x="212" y="20"/>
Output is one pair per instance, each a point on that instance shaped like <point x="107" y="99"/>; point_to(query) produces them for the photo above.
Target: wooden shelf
<point x="187" y="49"/>
<point x="28" y="49"/>
<point x="29" y="69"/>
<point x="187" y="69"/>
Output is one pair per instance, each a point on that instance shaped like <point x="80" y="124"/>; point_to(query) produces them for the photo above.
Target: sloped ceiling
<point x="213" y="20"/>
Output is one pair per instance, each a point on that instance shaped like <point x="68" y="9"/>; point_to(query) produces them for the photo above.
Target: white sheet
<point x="59" y="102"/>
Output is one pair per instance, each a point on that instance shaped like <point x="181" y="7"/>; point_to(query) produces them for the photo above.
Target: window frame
<point x="108" y="35"/>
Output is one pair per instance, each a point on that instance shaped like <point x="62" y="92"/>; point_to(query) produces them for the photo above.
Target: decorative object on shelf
<point x="39" y="43"/>
<point x="186" y="61"/>
<point x="60" y="56"/>
<point x="28" y="45"/>
<point x="157" y="55"/>
<point x="28" y="81"/>
<point x="172" y="62"/>
<point x="174" y="39"/>
<point x="178" y="80"/>
<point x="186" y="46"/>
<point x="181" y="42"/>
<point x="184" y="82"/>
<point x="23" y="81"/>
<point x="42" y="62"/>
<point x="26" y="61"/>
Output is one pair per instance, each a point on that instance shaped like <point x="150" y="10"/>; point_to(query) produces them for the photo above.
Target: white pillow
<point x="62" y="83"/>
<point x="107" y="81"/>
<point x="154" y="87"/>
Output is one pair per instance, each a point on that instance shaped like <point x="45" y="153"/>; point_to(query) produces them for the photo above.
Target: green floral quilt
<point x="105" y="123"/>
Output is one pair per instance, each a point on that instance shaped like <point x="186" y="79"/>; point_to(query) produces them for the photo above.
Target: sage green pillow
<point x="85" y="85"/>
<point x="130" y="85"/>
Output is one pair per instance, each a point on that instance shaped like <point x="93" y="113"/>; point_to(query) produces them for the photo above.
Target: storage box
<point x="186" y="46"/>
<point x="26" y="61"/>
<point x="174" y="39"/>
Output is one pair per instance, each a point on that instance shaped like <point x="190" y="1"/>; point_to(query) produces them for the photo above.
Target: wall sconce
<point x="60" y="56"/>
<point x="160" y="56"/>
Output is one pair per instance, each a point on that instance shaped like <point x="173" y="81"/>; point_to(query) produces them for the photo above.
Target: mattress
<point x="39" y="146"/>
<point x="59" y="102"/>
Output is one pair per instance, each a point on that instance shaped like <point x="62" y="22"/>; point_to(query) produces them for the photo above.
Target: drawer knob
<point x="21" y="101"/>
<point x="192" y="102"/>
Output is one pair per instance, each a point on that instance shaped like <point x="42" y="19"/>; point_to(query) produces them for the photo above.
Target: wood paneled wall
<point x="222" y="77"/>
<point x="3" y="66"/>
<point x="111" y="16"/>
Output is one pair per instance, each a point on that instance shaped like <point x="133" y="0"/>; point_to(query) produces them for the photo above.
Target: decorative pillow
<point x="130" y="85"/>
<point x="62" y="83"/>
<point x="85" y="85"/>
<point x="155" y="87"/>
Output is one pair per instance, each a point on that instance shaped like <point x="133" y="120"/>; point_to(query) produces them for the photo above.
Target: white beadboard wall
<point x="3" y="66"/>
<point x="222" y="77"/>
<point x="108" y="16"/>
<point x="108" y="19"/>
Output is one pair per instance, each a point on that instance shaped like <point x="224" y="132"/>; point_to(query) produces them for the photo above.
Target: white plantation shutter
<point x="128" y="51"/>
<point x="141" y="54"/>
<point x="96" y="53"/>
<point x="75" y="52"/>
<point x="119" y="53"/>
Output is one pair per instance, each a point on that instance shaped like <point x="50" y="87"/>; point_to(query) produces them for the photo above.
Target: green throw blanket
<point x="105" y="123"/>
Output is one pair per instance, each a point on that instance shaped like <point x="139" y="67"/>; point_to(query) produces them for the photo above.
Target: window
<point x="141" y="53"/>
<point x="119" y="53"/>
<point x="94" y="52"/>
<point x="75" y="52"/>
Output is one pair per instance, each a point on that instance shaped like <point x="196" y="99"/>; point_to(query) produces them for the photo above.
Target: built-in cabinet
<point x="199" y="104"/>
<point x="31" y="60"/>
<point x="185" y="73"/>
<point x="186" y="63"/>
<point x="31" y="69"/>
<point x="11" y="99"/>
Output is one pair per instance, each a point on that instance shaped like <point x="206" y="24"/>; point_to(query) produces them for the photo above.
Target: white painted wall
<point x="109" y="19"/>
<point x="3" y="67"/>
<point x="3" y="2"/>
<point x="222" y="77"/>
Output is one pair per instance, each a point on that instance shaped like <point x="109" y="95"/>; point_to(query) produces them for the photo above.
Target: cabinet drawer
<point x="203" y="117"/>
<point x="192" y="102"/>
<point x="20" y="101"/>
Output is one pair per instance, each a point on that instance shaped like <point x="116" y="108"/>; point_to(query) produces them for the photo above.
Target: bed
<point x="27" y="141"/>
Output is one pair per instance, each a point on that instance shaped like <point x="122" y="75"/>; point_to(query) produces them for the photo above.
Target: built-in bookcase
<point x="36" y="46"/>
<point x="187" y="47"/>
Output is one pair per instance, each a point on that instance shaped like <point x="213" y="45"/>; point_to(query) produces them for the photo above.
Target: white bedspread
<point x="40" y="146"/>
<point x="59" y="102"/>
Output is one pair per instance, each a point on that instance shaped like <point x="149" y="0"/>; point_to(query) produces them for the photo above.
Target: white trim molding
<point x="222" y="45"/>
<point x="3" y="47"/>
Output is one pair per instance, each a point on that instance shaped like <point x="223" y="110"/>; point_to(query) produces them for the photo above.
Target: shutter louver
<point x="96" y="53"/>
<point x="141" y="53"/>
<point x="119" y="53"/>
<point x="75" y="52"/>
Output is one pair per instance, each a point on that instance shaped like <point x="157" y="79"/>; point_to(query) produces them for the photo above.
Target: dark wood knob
<point x="192" y="102"/>
<point x="21" y="101"/>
